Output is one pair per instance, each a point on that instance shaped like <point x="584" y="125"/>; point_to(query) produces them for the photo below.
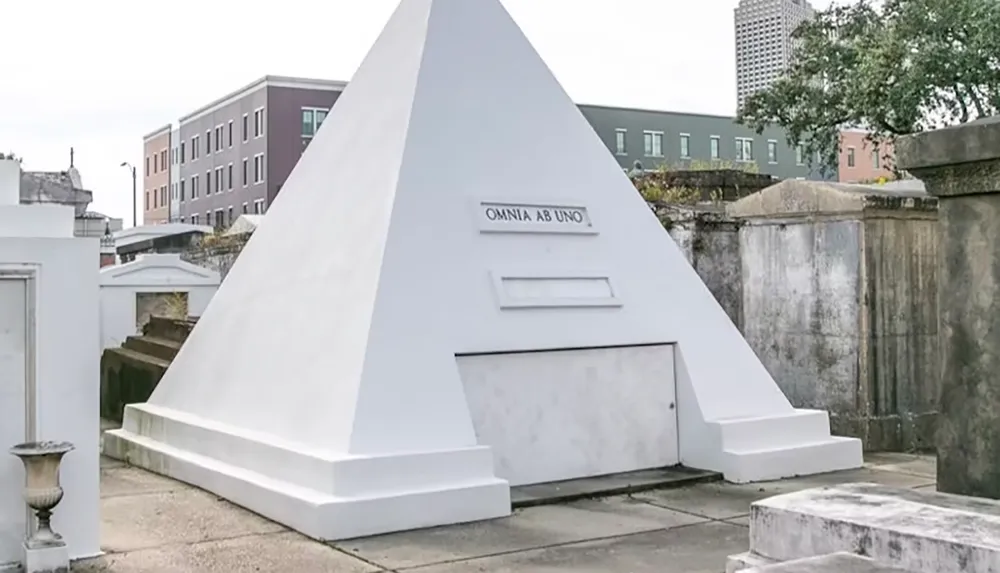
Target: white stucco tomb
<point x="431" y="312"/>
<point x="122" y="287"/>
<point x="913" y="530"/>
<point x="49" y="364"/>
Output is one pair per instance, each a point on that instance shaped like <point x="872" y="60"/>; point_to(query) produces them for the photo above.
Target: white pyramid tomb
<point x="457" y="291"/>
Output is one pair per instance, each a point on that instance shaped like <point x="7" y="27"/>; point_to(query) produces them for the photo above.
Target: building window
<point x="245" y="171"/>
<point x="229" y="133"/>
<point x="800" y="156"/>
<point x="258" y="207"/>
<point x="229" y="217"/>
<point x="744" y="149"/>
<point x="194" y="187"/>
<point x="312" y="118"/>
<point x="230" y="169"/>
<point x="685" y="146"/>
<point x="195" y="147"/>
<point x="850" y="157"/>
<point x="876" y="160"/>
<point x="218" y="138"/>
<point x="258" y="168"/>
<point x="714" y="146"/>
<point x="244" y="208"/>
<point x="208" y="142"/>
<point x="147" y="201"/>
<point x="182" y="190"/>
<point x="195" y="220"/>
<point x="208" y="183"/>
<point x="163" y="160"/>
<point x="621" y="148"/>
<point x="156" y="161"/>
<point x="182" y="153"/>
<point x="258" y="122"/>
<point x="147" y="166"/>
<point x="219" y="175"/>
<point x="219" y="221"/>
<point x="772" y="151"/>
<point x="653" y="143"/>
<point x="246" y="128"/>
<point x="163" y="195"/>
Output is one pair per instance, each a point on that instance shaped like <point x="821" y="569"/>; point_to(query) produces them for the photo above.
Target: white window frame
<point x="717" y="140"/>
<point x="245" y="127"/>
<point x="195" y="187"/>
<point x="621" y="141"/>
<point x="741" y="144"/>
<point x="650" y="151"/>
<point x="259" y="206"/>
<point x="772" y="144"/>
<point x="230" y="170"/>
<point x="220" y="132"/>
<point x="229" y="134"/>
<point x="258" y="169"/>
<point x="851" y="158"/>
<point x="195" y="147"/>
<point x="800" y="155"/>
<point x="219" y="179"/>
<point x="258" y="123"/>
<point x="246" y="172"/>
<point x="315" y="127"/>
<point x="685" y="141"/>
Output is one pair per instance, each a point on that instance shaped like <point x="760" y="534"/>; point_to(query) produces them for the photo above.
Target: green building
<point x="676" y="140"/>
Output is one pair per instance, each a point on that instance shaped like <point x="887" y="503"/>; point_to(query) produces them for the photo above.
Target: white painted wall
<point x="13" y="361"/>
<point x="154" y="273"/>
<point x="61" y="371"/>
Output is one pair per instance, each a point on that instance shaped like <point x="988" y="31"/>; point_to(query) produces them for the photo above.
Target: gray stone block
<point x="913" y="530"/>
<point x="835" y="563"/>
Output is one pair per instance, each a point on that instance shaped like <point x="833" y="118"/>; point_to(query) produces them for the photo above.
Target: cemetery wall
<point x="216" y="252"/>
<point x="710" y="242"/>
<point x="840" y="303"/>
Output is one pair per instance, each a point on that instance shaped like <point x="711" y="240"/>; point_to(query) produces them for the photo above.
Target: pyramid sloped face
<point x="455" y="201"/>
<point x="286" y="332"/>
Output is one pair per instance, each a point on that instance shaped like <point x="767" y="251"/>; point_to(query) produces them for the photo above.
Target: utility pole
<point x="135" y="193"/>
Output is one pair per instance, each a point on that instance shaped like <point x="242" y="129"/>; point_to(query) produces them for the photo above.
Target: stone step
<point x="176" y="329"/>
<point x="127" y="377"/>
<point x="911" y="529"/>
<point x="162" y="348"/>
<point x="834" y="563"/>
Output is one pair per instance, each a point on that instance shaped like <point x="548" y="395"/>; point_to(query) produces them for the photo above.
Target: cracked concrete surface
<point x="151" y="524"/>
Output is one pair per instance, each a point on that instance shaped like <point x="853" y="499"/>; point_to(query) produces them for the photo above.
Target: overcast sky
<point x="99" y="74"/>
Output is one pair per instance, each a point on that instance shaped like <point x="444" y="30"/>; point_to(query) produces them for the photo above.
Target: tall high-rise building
<point x="764" y="41"/>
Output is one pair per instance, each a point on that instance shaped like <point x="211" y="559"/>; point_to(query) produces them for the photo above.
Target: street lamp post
<point x="135" y="194"/>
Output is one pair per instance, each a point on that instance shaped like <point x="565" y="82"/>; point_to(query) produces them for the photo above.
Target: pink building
<point x="858" y="160"/>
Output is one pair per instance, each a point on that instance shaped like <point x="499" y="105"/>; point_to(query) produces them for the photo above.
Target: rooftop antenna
<point x="71" y="153"/>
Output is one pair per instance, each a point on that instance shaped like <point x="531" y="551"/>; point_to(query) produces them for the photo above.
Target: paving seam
<point x="557" y="545"/>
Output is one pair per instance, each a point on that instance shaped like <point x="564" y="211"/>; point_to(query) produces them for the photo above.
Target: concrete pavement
<point x="155" y="525"/>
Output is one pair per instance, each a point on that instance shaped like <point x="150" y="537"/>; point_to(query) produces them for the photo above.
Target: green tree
<point x="893" y="67"/>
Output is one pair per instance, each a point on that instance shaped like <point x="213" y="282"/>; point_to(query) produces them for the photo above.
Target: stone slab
<point x="603" y="486"/>
<point x="694" y="549"/>
<point x="915" y="530"/>
<point x="46" y="560"/>
<point x="834" y="563"/>
<point x="527" y="529"/>
<point x="266" y="553"/>
<point x="728" y="501"/>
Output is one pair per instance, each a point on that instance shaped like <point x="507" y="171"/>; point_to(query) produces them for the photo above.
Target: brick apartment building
<point x="859" y="163"/>
<point x="156" y="176"/>
<point x="232" y="156"/>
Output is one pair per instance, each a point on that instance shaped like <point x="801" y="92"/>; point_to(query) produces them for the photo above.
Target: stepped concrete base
<point x="835" y="563"/>
<point x="909" y="529"/>
<point x="324" y="495"/>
